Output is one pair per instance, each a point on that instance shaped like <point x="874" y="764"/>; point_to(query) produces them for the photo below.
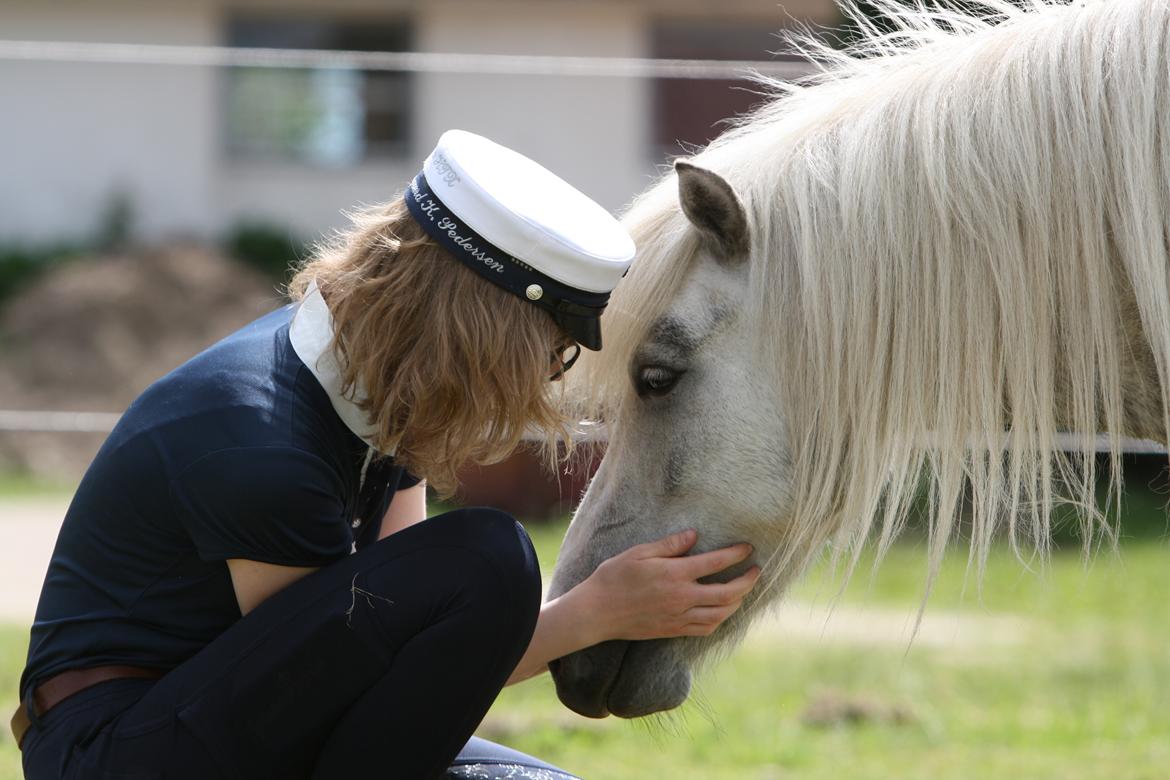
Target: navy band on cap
<point x="493" y="263"/>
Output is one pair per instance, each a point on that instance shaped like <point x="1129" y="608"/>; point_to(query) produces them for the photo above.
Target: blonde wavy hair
<point x="449" y="368"/>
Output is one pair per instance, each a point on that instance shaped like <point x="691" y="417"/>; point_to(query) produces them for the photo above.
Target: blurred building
<point x="161" y="152"/>
<point x="195" y="150"/>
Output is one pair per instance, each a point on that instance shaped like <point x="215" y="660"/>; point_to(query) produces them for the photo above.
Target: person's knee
<point x="499" y="538"/>
<point x="486" y="554"/>
<point x="472" y="571"/>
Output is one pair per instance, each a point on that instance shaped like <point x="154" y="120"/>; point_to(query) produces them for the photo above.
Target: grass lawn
<point x="13" y="647"/>
<point x="1076" y="687"/>
<point x="1080" y="689"/>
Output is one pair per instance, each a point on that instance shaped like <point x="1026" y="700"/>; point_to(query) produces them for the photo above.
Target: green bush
<point x="270" y="249"/>
<point x="20" y="265"/>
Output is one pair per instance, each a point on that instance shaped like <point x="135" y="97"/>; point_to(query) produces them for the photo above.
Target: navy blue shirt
<point x="238" y="453"/>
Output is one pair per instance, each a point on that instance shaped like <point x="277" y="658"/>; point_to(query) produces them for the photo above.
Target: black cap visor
<point x="585" y="329"/>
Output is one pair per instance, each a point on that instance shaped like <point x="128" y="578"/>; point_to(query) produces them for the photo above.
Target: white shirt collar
<point x="311" y="334"/>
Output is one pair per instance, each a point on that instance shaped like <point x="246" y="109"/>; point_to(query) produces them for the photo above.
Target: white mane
<point x="959" y="248"/>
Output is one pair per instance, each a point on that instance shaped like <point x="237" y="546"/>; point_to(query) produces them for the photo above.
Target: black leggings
<point x="378" y="666"/>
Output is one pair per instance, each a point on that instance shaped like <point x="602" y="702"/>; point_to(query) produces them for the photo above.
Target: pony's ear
<point x="714" y="209"/>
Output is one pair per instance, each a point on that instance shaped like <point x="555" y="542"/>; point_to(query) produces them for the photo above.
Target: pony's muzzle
<point x="584" y="678"/>
<point x="627" y="679"/>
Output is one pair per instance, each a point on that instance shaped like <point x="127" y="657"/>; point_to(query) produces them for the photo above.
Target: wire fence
<point x="410" y="61"/>
<point x="12" y="420"/>
<point x="419" y="62"/>
<point x="45" y="421"/>
<point x="56" y="421"/>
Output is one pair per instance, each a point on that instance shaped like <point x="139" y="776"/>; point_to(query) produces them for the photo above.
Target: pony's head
<point x="700" y="445"/>
<point x="895" y="284"/>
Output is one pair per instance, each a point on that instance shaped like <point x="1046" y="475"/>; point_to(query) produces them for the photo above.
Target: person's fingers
<point x="704" y="564"/>
<point x="721" y="593"/>
<point x="703" y="621"/>
<point x="710" y="615"/>
<point x="668" y="546"/>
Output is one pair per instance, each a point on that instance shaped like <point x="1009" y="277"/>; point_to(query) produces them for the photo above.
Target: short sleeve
<point x="277" y="505"/>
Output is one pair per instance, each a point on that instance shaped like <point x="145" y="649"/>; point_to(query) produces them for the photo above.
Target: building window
<point x="324" y="116"/>
<point x="691" y="112"/>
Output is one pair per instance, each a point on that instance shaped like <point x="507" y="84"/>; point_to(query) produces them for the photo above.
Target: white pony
<point x="900" y="279"/>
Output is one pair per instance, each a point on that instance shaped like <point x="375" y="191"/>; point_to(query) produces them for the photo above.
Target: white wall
<point x="73" y="135"/>
<point x="590" y="130"/>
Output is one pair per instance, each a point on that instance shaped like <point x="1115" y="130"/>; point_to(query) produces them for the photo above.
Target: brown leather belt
<point x="59" y="687"/>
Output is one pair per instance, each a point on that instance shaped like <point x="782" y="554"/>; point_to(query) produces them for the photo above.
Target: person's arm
<point x="408" y="507"/>
<point x="254" y="581"/>
<point x="646" y="592"/>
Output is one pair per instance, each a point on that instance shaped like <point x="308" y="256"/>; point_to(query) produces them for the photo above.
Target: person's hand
<point x="651" y="591"/>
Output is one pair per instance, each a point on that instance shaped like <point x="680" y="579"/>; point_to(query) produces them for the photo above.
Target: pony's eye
<point x="656" y="380"/>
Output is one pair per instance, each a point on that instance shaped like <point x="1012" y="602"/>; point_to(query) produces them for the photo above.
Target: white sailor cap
<point x="523" y="228"/>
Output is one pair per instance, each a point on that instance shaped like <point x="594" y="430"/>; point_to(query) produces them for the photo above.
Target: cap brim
<point x="586" y="331"/>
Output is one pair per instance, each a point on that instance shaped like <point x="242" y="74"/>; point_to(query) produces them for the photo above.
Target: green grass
<point x="13" y="649"/>
<point x="1082" y="691"/>
<point x="15" y="486"/>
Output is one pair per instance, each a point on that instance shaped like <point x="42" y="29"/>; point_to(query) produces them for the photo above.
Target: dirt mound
<point x="94" y="333"/>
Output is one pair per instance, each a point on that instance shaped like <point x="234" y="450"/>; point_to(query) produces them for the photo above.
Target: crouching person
<point x="245" y="585"/>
